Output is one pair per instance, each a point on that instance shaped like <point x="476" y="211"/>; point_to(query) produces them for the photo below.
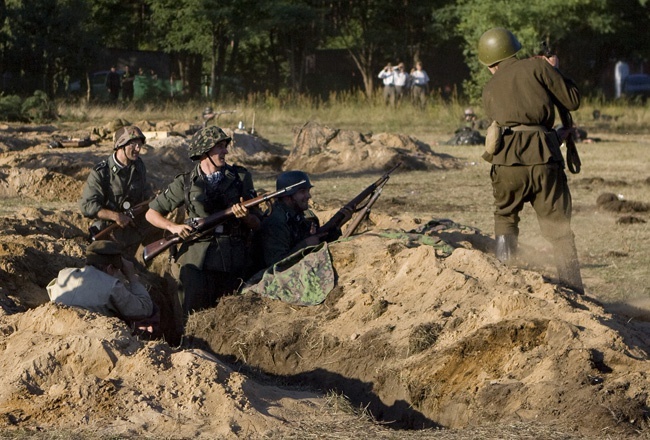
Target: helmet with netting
<point x="206" y="138"/>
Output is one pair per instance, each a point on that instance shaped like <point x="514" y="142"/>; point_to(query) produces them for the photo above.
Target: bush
<point x="11" y="108"/>
<point x="39" y="108"/>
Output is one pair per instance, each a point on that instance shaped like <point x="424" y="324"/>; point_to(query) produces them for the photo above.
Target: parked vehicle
<point x="637" y="84"/>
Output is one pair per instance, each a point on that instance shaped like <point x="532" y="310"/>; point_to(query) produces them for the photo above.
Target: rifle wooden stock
<point x="137" y="210"/>
<point x="344" y="214"/>
<point x="203" y="225"/>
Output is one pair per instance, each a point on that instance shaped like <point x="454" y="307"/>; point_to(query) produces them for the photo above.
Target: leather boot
<point x="568" y="266"/>
<point x="506" y="247"/>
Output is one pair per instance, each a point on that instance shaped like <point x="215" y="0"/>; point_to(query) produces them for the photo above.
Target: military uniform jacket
<point x="522" y="92"/>
<point x="97" y="291"/>
<point x="229" y="241"/>
<point x="109" y="186"/>
<point x="281" y="232"/>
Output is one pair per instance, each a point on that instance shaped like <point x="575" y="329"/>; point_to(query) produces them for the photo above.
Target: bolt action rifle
<point x="131" y="211"/>
<point x="330" y="230"/>
<point x="204" y="226"/>
<point x="572" y="157"/>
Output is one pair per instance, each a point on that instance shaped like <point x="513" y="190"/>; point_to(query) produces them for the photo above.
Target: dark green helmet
<point x="206" y="138"/>
<point x="496" y="45"/>
<point x="289" y="178"/>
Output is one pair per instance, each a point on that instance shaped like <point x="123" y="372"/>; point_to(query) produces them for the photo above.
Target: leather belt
<point x="523" y="127"/>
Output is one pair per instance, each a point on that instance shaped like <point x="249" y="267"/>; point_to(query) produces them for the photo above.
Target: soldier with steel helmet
<point x="527" y="164"/>
<point x="114" y="186"/>
<point x="291" y="226"/>
<point x="212" y="265"/>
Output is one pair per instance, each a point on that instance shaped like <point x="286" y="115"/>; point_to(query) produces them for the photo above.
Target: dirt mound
<point x="321" y="149"/>
<point x="459" y="342"/>
<point x="611" y="202"/>
<point x="89" y="374"/>
<point x="246" y="150"/>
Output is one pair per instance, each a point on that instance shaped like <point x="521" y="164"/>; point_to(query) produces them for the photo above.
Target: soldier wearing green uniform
<point x="211" y="266"/>
<point x="116" y="184"/>
<point x="527" y="165"/>
<point x="287" y="229"/>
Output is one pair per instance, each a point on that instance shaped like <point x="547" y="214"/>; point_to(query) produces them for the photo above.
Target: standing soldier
<point x="212" y="265"/>
<point x="114" y="186"/>
<point x="527" y="165"/>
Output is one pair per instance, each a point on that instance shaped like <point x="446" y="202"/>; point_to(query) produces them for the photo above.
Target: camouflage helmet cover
<point x="206" y="138"/>
<point x="496" y="45"/>
<point x="124" y="135"/>
<point x="289" y="178"/>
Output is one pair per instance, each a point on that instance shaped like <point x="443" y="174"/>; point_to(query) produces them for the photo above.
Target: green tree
<point x="556" y="22"/>
<point x="49" y="41"/>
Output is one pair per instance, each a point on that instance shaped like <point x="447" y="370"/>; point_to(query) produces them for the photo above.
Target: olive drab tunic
<point x="226" y="249"/>
<point x="521" y="92"/>
<point x="528" y="166"/>
<point x="109" y="186"/>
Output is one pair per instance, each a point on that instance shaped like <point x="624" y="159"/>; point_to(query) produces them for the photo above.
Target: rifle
<point x="330" y="229"/>
<point x="207" y="117"/>
<point x="362" y="213"/>
<point x="202" y="226"/>
<point x="132" y="212"/>
<point x="572" y="157"/>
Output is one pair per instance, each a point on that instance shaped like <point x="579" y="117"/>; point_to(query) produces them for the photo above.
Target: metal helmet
<point x="289" y="178"/>
<point x="496" y="45"/>
<point x="124" y="135"/>
<point x="206" y="138"/>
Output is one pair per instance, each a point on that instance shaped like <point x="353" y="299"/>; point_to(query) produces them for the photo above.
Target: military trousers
<point x="544" y="186"/>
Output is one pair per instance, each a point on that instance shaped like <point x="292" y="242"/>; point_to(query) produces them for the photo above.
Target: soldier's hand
<point x="553" y="61"/>
<point x="182" y="231"/>
<point x="123" y="220"/>
<point x="239" y="209"/>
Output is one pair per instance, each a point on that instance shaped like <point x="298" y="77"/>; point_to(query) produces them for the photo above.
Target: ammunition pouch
<point x="493" y="141"/>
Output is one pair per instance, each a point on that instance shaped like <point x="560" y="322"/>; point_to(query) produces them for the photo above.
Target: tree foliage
<point x="244" y="46"/>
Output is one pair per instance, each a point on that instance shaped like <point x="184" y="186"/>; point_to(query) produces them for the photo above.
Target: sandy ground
<point x="411" y="343"/>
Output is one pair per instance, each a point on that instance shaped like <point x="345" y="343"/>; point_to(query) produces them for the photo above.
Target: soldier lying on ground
<point x="97" y="287"/>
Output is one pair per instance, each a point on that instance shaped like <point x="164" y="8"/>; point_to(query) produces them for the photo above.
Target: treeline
<point x="264" y="46"/>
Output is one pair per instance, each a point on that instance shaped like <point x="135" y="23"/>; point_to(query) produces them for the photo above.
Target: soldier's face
<point x="301" y="199"/>
<point x="218" y="153"/>
<point x="130" y="152"/>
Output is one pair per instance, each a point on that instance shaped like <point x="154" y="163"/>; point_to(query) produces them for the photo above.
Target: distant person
<point x="621" y="71"/>
<point x="420" y="85"/>
<point x="290" y="226"/>
<point x="387" y="75"/>
<point x="99" y="287"/>
<point x="128" y="79"/>
<point x="527" y="164"/>
<point x="401" y="79"/>
<point x="213" y="265"/>
<point x="117" y="184"/>
<point x="113" y="84"/>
